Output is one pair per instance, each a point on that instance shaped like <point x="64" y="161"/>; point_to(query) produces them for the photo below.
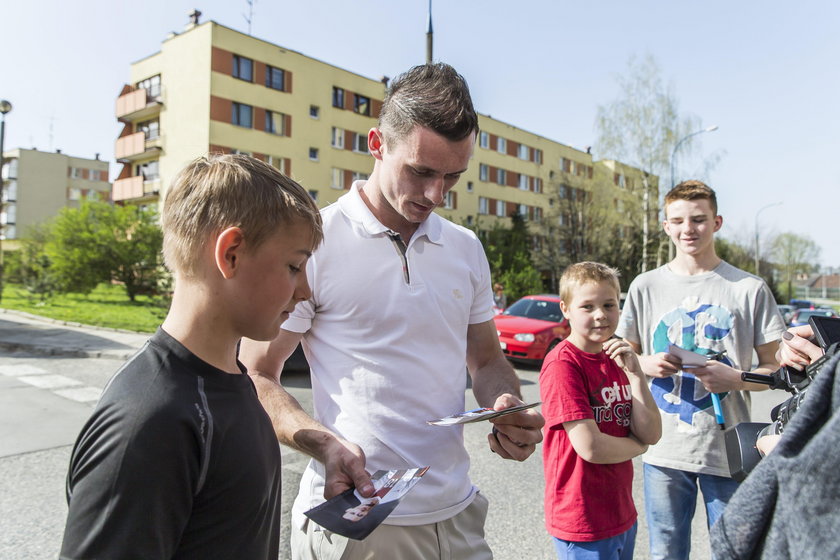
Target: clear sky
<point x="765" y="72"/>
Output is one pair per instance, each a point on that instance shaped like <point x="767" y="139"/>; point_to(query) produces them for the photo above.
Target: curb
<point x="65" y="352"/>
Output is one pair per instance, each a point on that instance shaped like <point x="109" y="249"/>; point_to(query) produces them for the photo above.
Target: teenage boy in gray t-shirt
<point x="700" y="303"/>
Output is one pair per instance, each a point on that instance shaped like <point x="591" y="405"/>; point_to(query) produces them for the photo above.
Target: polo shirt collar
<point x="356" y="210"/>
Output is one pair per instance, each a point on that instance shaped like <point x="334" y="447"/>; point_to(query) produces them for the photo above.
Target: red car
<point x="531" y="327"/>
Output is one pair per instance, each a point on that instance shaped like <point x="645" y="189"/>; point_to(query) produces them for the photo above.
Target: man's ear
<point x="718" y="223"/>
<point x="230" y="244"/>
<point x="376" y="143"/>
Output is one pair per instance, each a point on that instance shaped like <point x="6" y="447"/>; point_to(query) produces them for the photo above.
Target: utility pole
<point x="429" y="36"/>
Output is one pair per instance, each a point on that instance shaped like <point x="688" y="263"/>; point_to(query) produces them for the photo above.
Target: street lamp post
<point x="673" y="162"/>
<point x="5" y="107"/>
<point x="762" y="209"/>
<point x="680" y="143"/>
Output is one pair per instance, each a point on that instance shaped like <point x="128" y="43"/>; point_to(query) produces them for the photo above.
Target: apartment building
<point x="39" y="184"/>
<point x="213" y="89"/>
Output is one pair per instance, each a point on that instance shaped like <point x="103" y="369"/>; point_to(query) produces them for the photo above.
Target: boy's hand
<point x="718" y="377"/>
<point x="344" y="468"/>
<point x="515" y="436"/>
<point x="621" y="352"/>
<point x="662" y="364"/>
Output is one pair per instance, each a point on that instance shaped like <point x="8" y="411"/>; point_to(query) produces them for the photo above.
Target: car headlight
<point x="524" y="337"/>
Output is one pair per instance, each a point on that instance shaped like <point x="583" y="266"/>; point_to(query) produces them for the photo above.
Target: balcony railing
<point x="137" y="104"/>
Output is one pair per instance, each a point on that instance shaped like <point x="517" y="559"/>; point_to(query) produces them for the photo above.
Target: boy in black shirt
<point x="179" y="459"/>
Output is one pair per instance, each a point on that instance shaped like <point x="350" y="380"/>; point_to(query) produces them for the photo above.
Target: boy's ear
<point x="564" y="308"/>
<point x="230" y="244"/>
<point x="375" y="142"/>
<point x="718" y="223"/>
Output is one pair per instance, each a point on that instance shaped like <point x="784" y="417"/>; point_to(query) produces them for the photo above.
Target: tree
<point x="794" y="254"/>
<point x="640" y="128"/>
<point x="509" y="256"/>
<point x="35" y="271"/>
<point x="98" y="242"/>
<point x="588" y="225"/>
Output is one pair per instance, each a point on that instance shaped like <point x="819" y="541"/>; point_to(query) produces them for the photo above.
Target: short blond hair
<point x="587" y="272"/>
<point x="216" y="192"/>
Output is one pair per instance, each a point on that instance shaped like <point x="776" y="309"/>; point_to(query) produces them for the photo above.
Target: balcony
<point x="137" y="104"/>
<point x="135" y="189"/>
<point x="136" y="146"/>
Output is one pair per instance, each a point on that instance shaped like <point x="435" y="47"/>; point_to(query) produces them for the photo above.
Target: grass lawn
<point x="106" y="306"/>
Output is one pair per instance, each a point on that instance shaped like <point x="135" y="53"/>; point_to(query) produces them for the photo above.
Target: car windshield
<point x="803" y="316"/>
<point x="536" y="309"/>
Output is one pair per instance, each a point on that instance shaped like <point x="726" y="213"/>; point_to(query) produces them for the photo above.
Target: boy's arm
<point x="718" y="377"/>
<point x="595" y="446"/>
<point x="645" y="420"/>
<point x="344" y="461"/>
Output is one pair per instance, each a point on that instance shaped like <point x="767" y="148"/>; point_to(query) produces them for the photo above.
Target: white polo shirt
<point x="387" y="349"/>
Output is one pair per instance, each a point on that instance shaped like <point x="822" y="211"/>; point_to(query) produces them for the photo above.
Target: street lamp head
<point x="711" y="128"/>
<point x="5" y="106"/>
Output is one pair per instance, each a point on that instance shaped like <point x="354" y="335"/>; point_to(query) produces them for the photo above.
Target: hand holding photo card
<point x="477" y="415"/>
<point x="355" y="517"/>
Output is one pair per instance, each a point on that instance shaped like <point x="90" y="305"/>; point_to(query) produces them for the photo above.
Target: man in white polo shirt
<point x="402" y="305"/>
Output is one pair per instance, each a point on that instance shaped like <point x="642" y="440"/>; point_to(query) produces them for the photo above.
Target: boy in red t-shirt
<point x="599" y="414"/>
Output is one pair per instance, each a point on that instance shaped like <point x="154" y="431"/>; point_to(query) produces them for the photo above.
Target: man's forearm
<point x="494" y="379"/>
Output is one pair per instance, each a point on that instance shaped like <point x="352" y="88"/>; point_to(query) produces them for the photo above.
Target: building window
<point x="241" y="152"/>
<point x="562" y="192"/>
<point x="537" y="214"/>
<point x="150" y="129"/>
<point x="469" y="186"/>
<point x="469" y="220"/>
<point x="523" y="210"/>
<point x="10" y="192"/>
<point x="151" y="85"/>
<point x="501" y="176"/>
<point x="275" y="123"/>
<point x="338" y="97"/>
<point x="275" y="161"/>
<point x="537" y="156"/>
<point x="74" y="194"/>
<point x="76" y="173"/>
<point x="313" y="195"/>
<point x="566" y="165"/>
<point x="483" y="172"/>
<point x="337" y="181"/>
<point x="150" y="171"/>
<point x="314" y="111"/>
<point x="523" y="182"/>
<point x="361" y="104"/>
<point x="337" y="138"/>
<point x="500" y="208"/>
<point x="501" y="145"/>
<point x="484" y="140"/>
<point x="524" y="152"/>
<point x="313" y="154"/>
<point x="275" y="78"/>
<point x="483" y="205"/>
<point x="243" y="115"/>
<point x="360" y="143"/>
<point x="449" y="201"/>
<point x="358" y="176"/>
<point x="243" y="68"/>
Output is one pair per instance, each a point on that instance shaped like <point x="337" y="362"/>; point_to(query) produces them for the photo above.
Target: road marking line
<point x="50" y="381"/>
<point x="16" y="370"/>
<point x="80" y="394"/>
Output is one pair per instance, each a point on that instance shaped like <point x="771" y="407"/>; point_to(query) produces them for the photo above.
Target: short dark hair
<point x="431" y="95"/>
<point x="692" y="190"/>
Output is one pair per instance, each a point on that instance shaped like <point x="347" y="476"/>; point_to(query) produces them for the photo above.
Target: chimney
<point x="194" y="16"/>
<point x="96" y="157"/>
<point x="58" y="151"/>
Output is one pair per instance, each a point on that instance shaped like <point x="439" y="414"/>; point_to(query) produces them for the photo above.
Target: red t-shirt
<point x="584" y="501"/>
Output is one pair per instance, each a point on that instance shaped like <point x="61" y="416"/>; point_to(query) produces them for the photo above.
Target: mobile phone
<point x="826" y="329"/>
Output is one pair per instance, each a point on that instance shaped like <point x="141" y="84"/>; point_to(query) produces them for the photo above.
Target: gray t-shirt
<point x="726" y="309"/>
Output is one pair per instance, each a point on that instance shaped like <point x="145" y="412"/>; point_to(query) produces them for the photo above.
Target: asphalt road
<point x="45" y="400"/>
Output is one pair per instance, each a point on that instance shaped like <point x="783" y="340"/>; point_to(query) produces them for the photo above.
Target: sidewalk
<point x="40" y="335"/>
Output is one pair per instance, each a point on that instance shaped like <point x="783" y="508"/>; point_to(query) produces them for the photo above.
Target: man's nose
<point x="435" y="190"/>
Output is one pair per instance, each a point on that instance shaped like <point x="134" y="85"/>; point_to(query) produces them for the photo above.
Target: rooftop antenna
<point x="250" y="16"/>
<point x="194" y="15"/>
<point x="429" y="36"/>
<point x="52" y="121"/>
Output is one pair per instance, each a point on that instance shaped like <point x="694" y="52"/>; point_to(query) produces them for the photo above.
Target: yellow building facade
<point x="214" y="89"/>
<point x="38" y="184"/>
